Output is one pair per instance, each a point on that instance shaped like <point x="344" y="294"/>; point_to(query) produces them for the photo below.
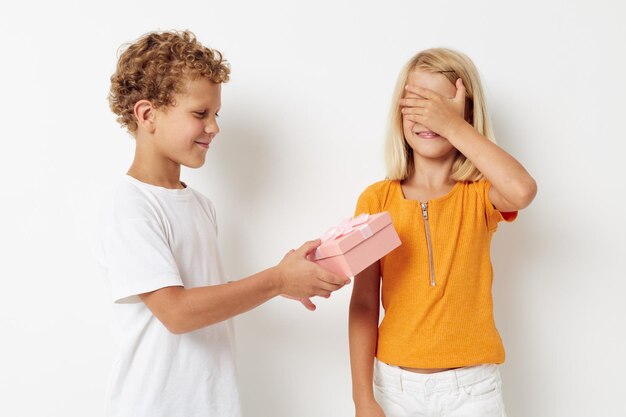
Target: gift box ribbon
<point x="348" y="226"/>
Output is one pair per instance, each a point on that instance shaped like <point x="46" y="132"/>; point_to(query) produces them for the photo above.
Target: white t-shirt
<point x="154" y="237"/>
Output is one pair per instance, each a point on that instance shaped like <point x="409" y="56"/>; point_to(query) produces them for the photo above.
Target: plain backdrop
<point x="303" y="121"/>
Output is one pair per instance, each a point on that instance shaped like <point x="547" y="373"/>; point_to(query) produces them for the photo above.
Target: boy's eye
<point x="200" y="113"/>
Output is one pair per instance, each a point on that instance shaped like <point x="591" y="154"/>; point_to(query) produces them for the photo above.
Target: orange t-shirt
<point x="445" y="243"/>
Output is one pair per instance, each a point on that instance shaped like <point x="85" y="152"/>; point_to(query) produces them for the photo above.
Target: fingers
<point x="327" y="282"/>
<point x="289" y="253"/>
<point x="421" y="91"/>
<point x="304" y="300"/>
<point x="331" y="278"/>
<point x="325" y="288"/>
<point x="324" y="283"/>
<point x="417" y="118"/>
<point x="308" y="247"/>
<point x="308" y="304"/>
<point x="413" y="106"/>
<point x="411" y="95"/>
<point x="459" y="97"/>
<point x="413" y="102"/>
<point x="412" y="110"/>
<point x="460" y="91"/>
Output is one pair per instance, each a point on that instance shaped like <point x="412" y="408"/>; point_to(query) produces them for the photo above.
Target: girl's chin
<point x="439" y="153"/>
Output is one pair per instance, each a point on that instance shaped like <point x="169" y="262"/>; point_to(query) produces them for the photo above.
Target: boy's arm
<point x="183" y="310"/>
<point x="363" y="332"/>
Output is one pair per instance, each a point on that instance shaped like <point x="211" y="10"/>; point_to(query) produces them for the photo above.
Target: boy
<point x="159" y="243"/>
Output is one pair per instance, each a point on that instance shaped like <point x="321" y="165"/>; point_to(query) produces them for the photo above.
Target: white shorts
<point x="464" y="392"/>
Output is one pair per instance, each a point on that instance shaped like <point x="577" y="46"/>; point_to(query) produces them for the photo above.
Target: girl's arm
<point x="512" y="186"/>
<point x="183" y="310"/>
<point x="363" y="332"/>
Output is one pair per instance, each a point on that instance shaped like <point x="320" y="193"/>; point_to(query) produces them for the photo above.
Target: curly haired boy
<point x="172" y="306"/>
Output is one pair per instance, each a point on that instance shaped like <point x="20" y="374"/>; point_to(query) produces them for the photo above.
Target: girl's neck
<point x="431" y="179"/>
<point x="431" y="173"/>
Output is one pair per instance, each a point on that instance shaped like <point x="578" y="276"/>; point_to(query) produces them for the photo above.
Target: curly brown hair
<point x="156" y="68"/>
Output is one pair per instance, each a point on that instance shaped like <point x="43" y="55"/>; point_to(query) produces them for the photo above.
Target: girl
<point x="437" y="348"/>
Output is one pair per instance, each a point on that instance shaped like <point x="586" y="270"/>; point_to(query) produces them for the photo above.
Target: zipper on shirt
<point x="429" y="244"/>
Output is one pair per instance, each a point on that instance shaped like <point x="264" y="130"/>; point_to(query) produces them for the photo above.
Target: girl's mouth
<point x="428" y="135"/>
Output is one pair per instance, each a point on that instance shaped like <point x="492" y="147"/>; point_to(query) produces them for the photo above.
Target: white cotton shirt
<point x="154" y="237"/>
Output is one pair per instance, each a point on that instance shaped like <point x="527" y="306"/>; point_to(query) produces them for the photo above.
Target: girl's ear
<point x="145" y="115"/>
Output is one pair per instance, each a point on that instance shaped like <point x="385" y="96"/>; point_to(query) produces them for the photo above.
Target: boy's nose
<point x="212" y="128"/>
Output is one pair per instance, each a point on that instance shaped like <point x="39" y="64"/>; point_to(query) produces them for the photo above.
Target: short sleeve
<point x="138" y="259"/>
<point x="368" y="202"/>
<point x="494" y="216"/>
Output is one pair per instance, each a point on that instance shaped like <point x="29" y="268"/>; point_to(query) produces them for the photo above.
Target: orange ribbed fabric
<point x="449" y="324"/>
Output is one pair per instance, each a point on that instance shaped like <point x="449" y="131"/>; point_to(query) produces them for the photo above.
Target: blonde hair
<point x="155" y="68"/>
<point x="453" y="65"/>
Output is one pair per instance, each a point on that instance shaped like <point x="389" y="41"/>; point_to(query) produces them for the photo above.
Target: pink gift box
<point x="356" y="244"/>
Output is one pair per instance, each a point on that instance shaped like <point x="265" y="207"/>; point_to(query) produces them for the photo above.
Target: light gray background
<point x="302" y="134"/>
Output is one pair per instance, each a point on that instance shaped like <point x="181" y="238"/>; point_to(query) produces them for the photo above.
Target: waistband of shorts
<point x="399" y="378"/>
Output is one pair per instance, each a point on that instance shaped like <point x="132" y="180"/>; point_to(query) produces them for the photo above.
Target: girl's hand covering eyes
<point x="439" y="114"/>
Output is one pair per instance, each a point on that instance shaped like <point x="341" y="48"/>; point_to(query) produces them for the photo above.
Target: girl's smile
<point x="427" y="134"/>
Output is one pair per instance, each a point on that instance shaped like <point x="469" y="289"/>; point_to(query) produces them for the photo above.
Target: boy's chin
<point x="194" y="163"/>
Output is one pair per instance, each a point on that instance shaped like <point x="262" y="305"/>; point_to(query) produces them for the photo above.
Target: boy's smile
<point x="203" y="144"/>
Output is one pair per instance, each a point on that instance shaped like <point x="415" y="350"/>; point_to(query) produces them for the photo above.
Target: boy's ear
<point x="145" y="115"/>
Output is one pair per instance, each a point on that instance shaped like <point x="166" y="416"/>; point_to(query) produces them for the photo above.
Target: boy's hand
<point x="299" y="278"/>
<point x="306" y="302"/>
<point x="430" y="109"/>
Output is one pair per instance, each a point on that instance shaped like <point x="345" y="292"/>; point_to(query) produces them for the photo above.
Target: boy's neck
<point x="158" y="179"/>
<point x="154" y="169"/>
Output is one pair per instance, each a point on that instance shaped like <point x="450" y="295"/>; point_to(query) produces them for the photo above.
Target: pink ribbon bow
<point x="348" y="226"/>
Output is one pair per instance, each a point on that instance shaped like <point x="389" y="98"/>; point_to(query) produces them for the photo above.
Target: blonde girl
<point x="437" y="350"/>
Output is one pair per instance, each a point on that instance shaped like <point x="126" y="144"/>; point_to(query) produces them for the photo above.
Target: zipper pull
<point x="425" y="210"/>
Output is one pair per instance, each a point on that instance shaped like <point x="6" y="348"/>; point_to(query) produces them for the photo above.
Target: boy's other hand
<point x="306" y="302"/>
<point x="301" y="279"/>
